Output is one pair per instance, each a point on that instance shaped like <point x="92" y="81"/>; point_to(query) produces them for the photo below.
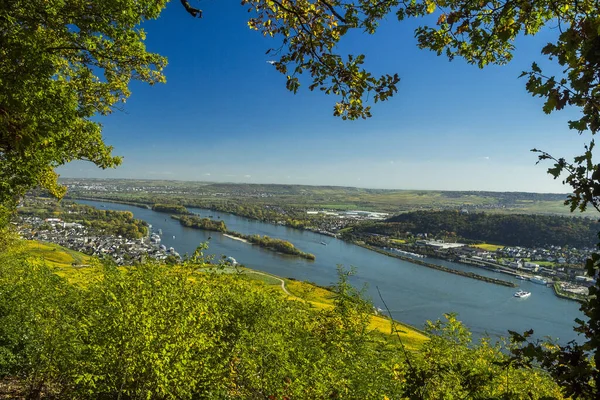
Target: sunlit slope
<point x="322" y="298"/>
<point x="79" y="268"/>
<point x="54" y="254"/>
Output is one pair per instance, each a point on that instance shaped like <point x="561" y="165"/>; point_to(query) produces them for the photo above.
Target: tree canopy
<point x="61" y="64"/>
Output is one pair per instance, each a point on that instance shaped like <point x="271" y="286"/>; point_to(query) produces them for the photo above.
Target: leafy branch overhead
<point x="62" y="63"/>
<point x="309" y="33"/>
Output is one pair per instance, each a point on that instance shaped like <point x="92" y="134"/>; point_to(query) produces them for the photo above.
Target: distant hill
<point x="195" y="194"/>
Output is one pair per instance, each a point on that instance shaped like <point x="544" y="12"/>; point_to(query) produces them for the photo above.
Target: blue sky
<point x="225" y="115"/>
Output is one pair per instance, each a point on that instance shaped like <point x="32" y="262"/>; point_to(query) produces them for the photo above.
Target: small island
<point x="170" y="208"/>
<point x="278" y="245"/>
<point x="207" y="224"/>
<point x="201" y="223"/>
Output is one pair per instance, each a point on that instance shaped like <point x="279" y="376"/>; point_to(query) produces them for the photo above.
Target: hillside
<point x="198" y="194"/>
<point x="193" y="331"/>
<point x="80" y="268"/>
<point x="512" y="230"/>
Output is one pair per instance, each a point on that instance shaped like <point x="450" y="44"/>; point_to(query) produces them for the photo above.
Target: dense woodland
<point x="201" y="223"/>
<point x="506" y="229"/>
<point x="170" y="208"/>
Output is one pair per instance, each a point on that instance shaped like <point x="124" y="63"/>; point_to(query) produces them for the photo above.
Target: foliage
<point x="451" y="366"/>
<point x="309" y="32"/>
<point x="40" y="318"/>
<point x="8" y="236"/>
<point x="508" y="229"/>
<point x="202" y="223"/>
<point x="156" y="331"/>
<point x="170" y="208"/>
<point x="280" y="245"/>
<point x="61" y="63"/>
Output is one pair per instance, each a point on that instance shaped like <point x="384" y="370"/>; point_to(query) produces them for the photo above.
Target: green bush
<point x="174" y="332"/>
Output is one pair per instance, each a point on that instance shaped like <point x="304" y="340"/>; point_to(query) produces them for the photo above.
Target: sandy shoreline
<point x="236" y="238"/>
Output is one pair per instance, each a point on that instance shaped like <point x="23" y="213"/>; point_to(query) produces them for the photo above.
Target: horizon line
<point x="302" y="184"/>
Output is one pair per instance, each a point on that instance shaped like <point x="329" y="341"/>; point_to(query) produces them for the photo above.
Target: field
<point x="55" y="255"/>
<point x="321" y="197"/>
<point x="488" y="246"/>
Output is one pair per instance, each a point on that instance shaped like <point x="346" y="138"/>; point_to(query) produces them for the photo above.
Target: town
<point x="556" y="264"/>
<point x="75" y="236"/>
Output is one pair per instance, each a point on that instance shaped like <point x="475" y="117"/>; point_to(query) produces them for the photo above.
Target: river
<point x="413" y="293"/>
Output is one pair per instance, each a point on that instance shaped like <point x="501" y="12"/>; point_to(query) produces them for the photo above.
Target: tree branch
<point x="194" y="12"/>
<point x="335" y="13"/>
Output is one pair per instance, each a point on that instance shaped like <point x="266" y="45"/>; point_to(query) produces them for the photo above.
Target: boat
<point x="173" y="236"/>
<point x="522" y="294"/>
<point x="160" y="231"/>
<point x="231" y="261"/>
<point x="324" y="244"/>
<point x="523" y="278"/>
<point x="538" y="279"/>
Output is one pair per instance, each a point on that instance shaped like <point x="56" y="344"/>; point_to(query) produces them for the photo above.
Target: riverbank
<point x="471" y="275"/>
<point x="235" y="238"/>
<point x="296" y="252"/>
<point x="566" y="295"/>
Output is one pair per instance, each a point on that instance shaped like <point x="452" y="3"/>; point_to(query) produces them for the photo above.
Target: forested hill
<point x="508" y="229"/>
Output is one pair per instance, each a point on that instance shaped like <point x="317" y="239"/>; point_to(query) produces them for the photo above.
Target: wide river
<point x="413" y="293"/>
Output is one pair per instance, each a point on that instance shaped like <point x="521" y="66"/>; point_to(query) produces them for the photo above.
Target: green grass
<point x="76" y="267"/>
<point x="267" y="280"/>
<point x="488" y="246"/>
<point x="545" y="263"/>
<point x="55" y="255"/>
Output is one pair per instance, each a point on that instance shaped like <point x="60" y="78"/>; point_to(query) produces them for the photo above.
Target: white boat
<point x="522" y="294"/>
<point x="160" y="231"/>
<point x="231" y="261"/>
<point x="523" y="278"/>
<point x="324" y="244"/>
<point x="538" y="279"/>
